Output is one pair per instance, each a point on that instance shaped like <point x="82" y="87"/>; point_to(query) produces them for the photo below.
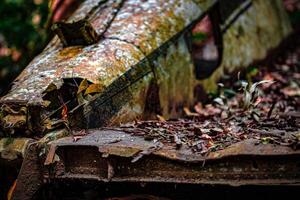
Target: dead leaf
<point x="161" y="118"/>
<point x="50" y="158"/>
<point x="46" y="103"/>
<point x="64" y="112"/>
<point x="209" y="144"/>
<point x="291" y="92"/>
<point x="266" y="140"/>
<point x="83" y="86"/>
<point x="157" y="146"/>
<point x="218" y="130"/>
<point x="205" y="137"/>
<point x="51" y="87"/>
<point x="189" y="113"/>
<point x="81" y="99"/>
<point x="76" y="138"/>
<point x="94" y="88"/>
<point x="205" y="130"/>
<point x="198" y="107"/>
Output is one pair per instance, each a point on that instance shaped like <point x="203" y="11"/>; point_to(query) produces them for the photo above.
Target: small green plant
<point x="251" y="93"/>
<point x="247" y="104"/>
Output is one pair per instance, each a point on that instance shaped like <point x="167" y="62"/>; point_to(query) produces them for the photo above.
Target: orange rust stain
<point x="64" y="113"/>
<point x="69" y="52"/>
<point x="94" y="88"/>
<point x="11" y="190"/>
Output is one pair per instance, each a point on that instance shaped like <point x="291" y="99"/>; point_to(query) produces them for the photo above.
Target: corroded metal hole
<point x="206" y="46"/>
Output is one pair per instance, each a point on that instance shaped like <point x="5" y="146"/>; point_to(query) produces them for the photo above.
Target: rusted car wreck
<point x="116" y="61"/>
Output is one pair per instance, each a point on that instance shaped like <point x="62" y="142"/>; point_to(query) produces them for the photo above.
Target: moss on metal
<point x="141" y="44"/>
<point x="260" y="29"/>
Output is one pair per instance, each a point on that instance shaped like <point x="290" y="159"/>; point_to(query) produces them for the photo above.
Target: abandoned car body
<point x="130" y="60"/>
<point x="146" y="60"/>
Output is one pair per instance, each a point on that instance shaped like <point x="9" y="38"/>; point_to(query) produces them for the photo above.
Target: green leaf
<point x="199" y="36"/>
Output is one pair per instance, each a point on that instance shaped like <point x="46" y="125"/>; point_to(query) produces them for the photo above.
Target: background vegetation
<point x="22" y="35"/>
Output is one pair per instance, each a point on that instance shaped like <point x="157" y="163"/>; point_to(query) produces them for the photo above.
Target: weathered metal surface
<point x="117" y="61"/>
<point x="256" y="27"/>
<point x="76" y="33"/>
<point x="111" y="156"/>
<point x="143" y="46"/>
<point x="117" y="143"/>
<point x="115" y="156"/>
<point x="142" y="57"/>
<point x="30" y="178"/>
<point x="13" y="148"/>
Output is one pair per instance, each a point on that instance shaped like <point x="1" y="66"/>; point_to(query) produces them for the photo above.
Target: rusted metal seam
<point x="235" y="16"/>
<point x="88" y="17"/>
<point x="93" y="10"/>
<point x="125" y="81"/>
<point x="114" y="88"/>
<point x="173" y="39"/>
<point x="115" y="13"/>
<point x="139" y="48"/>
<point x="141" y="69"/>
<point x="125" y="41"/>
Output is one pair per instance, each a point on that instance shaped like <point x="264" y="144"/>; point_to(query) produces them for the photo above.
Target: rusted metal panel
<point x="118" y="60"/>
<point x="76" y="33"/>
<point x="142" y="56"/>
<point x="116" y="143"/>
<point x="142" y="45"/>
<point x="256" y="27"/>
<point x="116" y="156"/>
<point x="13" y="148"/>
<point x="30" y="178"/>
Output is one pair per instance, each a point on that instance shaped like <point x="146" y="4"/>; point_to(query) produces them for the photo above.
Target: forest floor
<point x="263" y="103"/>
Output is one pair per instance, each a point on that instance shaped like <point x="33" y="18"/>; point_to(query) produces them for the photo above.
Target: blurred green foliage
<point x="22" y="35"/>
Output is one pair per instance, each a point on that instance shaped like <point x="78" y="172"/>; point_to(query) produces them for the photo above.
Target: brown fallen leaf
<point x="189" y="113"/>
<point x="51" y="87"/>
<point x="76" y="138"/>
<point x="94" y="88"/>
<point x="290" y="91"/>
<point x="161" y="118"/>
<point x="83" y="86"/>
<point x="64" y="113"/>
<point x="205" y="137"/>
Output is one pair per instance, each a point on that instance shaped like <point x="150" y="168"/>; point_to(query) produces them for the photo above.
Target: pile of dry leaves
<point x="264" y="106"/>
